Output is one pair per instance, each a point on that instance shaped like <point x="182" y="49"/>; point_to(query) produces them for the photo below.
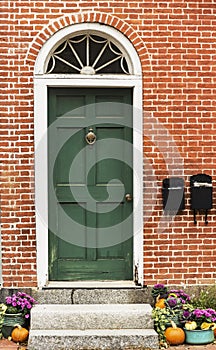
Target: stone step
<point x="90" y="316"/>
<point x="92" y="339"/>
<point x="92" y="327"/>
<point x="93" y="295"/>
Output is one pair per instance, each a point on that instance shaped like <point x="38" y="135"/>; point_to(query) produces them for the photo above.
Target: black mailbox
<point x="201" y="194"/>
<point x="173" y="194"/>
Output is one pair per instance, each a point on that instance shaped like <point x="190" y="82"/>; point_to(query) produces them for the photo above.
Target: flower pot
<point x="10" y="320"/>
<point x="199" y="336"/>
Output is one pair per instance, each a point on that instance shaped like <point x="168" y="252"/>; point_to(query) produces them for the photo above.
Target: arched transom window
<point x="88" y="53"/>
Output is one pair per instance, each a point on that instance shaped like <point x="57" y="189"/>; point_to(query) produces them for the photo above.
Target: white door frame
<point x="41" y="83"/>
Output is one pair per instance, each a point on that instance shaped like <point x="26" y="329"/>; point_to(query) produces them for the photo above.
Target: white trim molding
<point x="41" y="83"/>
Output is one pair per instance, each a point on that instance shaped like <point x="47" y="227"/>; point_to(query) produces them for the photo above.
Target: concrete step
<point x="91" y="339"/>
<point x="99" y="316"/>
<point x="93" y="295"/>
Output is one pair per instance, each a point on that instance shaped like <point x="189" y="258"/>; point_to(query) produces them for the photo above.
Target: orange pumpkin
<point x="160" y="302"/>
<point x="174" y="335"/>
<point x="19" y="334"/>
<point x="214" y="332"/>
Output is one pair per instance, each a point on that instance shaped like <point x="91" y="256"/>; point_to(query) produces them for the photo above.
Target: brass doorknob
<point x="128" y="197"/>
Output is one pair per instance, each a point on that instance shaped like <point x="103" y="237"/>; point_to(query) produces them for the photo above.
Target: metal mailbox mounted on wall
<point x="173" y="194"/>
<point x="201" y="194"/>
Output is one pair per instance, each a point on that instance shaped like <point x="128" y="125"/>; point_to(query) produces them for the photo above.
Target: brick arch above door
<point x="89" y="17"/>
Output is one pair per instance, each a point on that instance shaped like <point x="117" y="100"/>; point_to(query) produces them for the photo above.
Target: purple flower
<point x="211" y="311"/>
<point x="186" y="314"/>
<point x="198" y="313"/>
<point x="199" y="316"/>
<point x="8" y="300"/>
<point x="159" y="286"/>
<point x="21" y="302"/>
<point x="172" y="302"/>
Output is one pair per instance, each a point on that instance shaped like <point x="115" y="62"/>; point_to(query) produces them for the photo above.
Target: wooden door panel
<point x="69" y="106"/>
<point x="86" y="271"/>
<point x="65" y="247"/>
<point x="70" y="173"/>
<point x="110" y="168"/>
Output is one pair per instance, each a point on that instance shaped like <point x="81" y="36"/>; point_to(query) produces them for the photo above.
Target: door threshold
<point x="91" y="285"/>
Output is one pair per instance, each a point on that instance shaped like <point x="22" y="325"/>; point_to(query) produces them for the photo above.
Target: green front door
<point x="90" y="218"/>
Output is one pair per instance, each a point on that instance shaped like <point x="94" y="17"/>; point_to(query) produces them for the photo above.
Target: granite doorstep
<point x="93" y="339"/>
<point x="109" y="296"/>
<point x="85" y="316"/>
<point x="92" y="319"/>
<point x="92" y="296"/>
<point x="53" y="296"/>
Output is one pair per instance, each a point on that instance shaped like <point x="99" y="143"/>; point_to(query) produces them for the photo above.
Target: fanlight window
<point x="88" y="54"/>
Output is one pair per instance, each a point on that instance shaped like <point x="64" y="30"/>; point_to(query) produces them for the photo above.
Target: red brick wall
<point x="176" y="43"/>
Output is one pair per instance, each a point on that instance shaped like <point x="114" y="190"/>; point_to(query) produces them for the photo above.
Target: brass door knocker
<point x="90" y="137"/>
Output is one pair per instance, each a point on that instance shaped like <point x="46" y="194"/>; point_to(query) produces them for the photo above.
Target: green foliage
<point x="12" y="310"/>
<point x="206" y="298"/>
<point x="162" y="318"/>
<point x="3" y="308"/>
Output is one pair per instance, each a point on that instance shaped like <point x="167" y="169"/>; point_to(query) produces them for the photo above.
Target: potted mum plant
<point x="164" y="315"/>
<point x="199" y="325"/>
<point x="18" y="307"/>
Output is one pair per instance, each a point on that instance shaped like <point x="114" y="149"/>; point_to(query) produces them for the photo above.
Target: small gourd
<point x="174" y="335"/>
<point x="190" y="325"/>
<point x="19" y="333"/>
<point x="160" y="302"/>
<point x="207" y="325"/>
